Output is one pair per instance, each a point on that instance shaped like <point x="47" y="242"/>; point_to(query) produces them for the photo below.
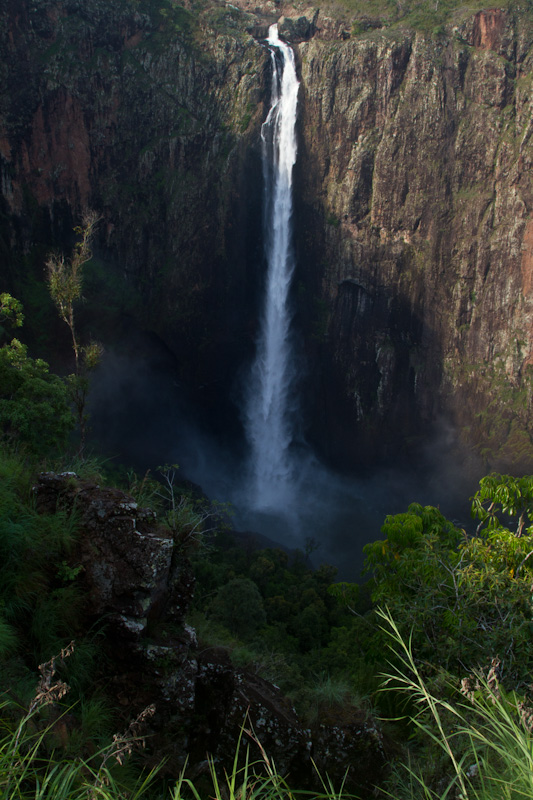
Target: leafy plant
<point x="34" y="406"/>
<point x="65" y="282"/>
<point x="10" y="311"/>
<point x="507" y="495"/>
<point x="189" y="520"/>
<point x="468" y="597"/>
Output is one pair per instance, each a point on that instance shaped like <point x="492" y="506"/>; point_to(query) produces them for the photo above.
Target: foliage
<point x="190" y="520"/>
<point x="31" y="770"/>
<point x="298" y="609"/>
<point x="37" y="605"/>
<point x="464" y="599"/>
<point x="331" y="699"/>
<point x="65" y="277"/>
<point x="504" y="494"/>
<point x="427" y="16"/>
<point x="65" y="282"/>
<point x="255" y="780"/>
<point x="239" y="606"/>
<point x="30" y="744"/>
<point x="468" y="597"/>
<point x="41" y="603"/>
<point x="10" y="311"/>
<point x="34" y="407"/>
<point x="294" y="616"/>
<point x="488" y="748"/>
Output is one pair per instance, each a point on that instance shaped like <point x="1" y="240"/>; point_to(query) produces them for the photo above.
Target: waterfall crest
<point x="268" y="424"/>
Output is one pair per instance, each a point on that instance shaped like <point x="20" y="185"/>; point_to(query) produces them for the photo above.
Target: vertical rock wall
<point x="149" y="115"/>
<point x="417" y="192"/>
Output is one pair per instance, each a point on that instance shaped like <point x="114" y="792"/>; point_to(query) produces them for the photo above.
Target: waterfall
<point x="268" y="424"/>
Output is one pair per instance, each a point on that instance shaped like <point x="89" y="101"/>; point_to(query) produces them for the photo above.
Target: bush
<point x="239" y="606"/>
<point x="34" y="404"/>
<point x="467" y="598"/>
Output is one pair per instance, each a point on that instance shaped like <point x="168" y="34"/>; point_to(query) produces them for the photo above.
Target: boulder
<point x="126" y="555"/>
<point x="298" y="29"/>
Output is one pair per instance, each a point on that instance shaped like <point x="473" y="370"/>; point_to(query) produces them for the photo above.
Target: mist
<point x="143" y="416"/>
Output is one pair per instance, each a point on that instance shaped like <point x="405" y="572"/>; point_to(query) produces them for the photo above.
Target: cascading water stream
<point x="268" y="424"/>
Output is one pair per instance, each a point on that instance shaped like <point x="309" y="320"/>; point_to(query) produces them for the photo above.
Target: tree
<point x="65" y="282"/>
<point x="239" y="607"/>
<point x="65" y="277"/>
<point x="504" y="495"/>
<point x="10" y="311"/>
<point x="34" y="405"/>
<point x="463" y="599"/>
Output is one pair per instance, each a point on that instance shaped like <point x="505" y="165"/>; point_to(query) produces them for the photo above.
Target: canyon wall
<point x="149" y="115"/>
<point x="416" y="213"/>
<point x="414" y="237"/>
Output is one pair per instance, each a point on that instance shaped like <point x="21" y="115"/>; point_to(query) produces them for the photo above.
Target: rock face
<point x="416" y="220"/>
<point x="298" y="29"/>
<point x="129" y="571"/>
<point x="138" y="580"/>
<point x="413" y="210"/>
<point x="150" y="117"/>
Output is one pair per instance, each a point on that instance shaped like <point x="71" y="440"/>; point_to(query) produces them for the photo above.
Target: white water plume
<point x="268" y="424"/>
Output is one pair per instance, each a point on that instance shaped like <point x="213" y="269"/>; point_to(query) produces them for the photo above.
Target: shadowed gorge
<point x="266" y="318"/>
<point x="412" y="198"/>
<point x="412" y="205"/>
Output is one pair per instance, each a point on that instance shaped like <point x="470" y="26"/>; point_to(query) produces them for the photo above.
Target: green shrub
<point x="34" y="404"/>
<point x="239" y="607"/>
<point x="467" y="598"/>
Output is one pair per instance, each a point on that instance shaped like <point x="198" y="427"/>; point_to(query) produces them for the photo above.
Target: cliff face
<point x="413" y="225"/>
<point x="417" y="198"/>
<point x="149" y="115"/>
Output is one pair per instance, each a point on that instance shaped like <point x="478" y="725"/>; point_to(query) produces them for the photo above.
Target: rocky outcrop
<point x="130" y="574"/>
<point x="137" y="581"/>
<point x="298" y="29"/>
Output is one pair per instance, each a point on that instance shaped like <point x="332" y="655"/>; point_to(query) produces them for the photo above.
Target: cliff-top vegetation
<point x="360" y="16"/>
<point x="421" y="15"/>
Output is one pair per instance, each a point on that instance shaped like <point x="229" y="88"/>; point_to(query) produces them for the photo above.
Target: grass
<point x="26" y="772"/>
<point x="42" y="759"/>
<point x="483" y="740"/>
<point x="33" y="750"/>
<point x="428" y="16"/>
<point x="255" y="780"/>
<point x="488" y="749"/>
<point x="29" y="770"/>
